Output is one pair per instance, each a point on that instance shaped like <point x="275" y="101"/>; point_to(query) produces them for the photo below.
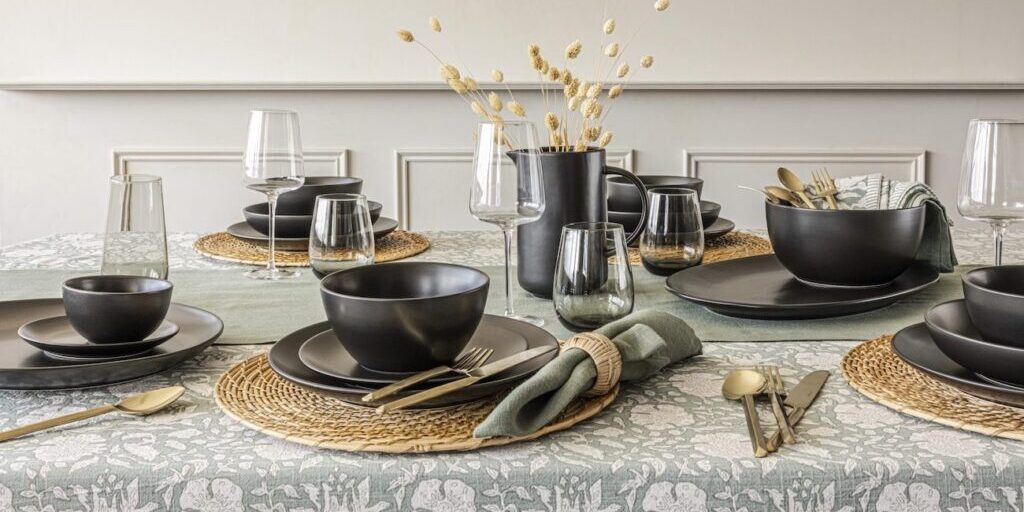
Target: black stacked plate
<point x="624" y="205"/>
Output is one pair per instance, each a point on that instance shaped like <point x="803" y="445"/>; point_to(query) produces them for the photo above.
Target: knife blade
<point x="800" y="398"/>
<point x="474" y="376"/>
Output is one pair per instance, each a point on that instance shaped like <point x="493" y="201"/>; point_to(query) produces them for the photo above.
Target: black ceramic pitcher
<point x="574" y="191"/>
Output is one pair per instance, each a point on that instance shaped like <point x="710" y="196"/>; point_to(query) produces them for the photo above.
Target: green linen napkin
<point x="647" y="341"/>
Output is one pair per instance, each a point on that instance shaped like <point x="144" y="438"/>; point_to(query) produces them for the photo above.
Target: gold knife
<point x="800" y="398"/>
<point x="474" y="376"/>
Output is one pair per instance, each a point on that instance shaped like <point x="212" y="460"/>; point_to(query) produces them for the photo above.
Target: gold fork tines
<point x="825" y="187"/>
<point x="774" y="389"/>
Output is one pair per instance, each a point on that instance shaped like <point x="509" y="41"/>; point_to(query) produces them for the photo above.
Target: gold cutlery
<point x="774" y="388"/>
<point x="782" y="194"/>
<point x="825" y="187"/>
<point x="136" y="405"/>
<point x="742" y="385"/>
<point x="799" y="400"/>
<point x="769" y="197"/>
<point x="473" y="376"/>
<point x="793" y="183"/>
<point x="471" y="360"/>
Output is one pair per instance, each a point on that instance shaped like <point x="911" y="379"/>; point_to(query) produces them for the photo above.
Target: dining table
<point x="671" y="442"/>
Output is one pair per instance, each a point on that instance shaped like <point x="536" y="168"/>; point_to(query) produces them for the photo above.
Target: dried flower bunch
<point x="578" y="122"/>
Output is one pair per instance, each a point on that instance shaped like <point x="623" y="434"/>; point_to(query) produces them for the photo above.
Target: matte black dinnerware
<point x="915" y="346"/>
<point x="405" y="317"/>
<point x="951" y="327"/>
<point x="760" y="287"/>
<point x="623" y="197"/>
<point x="290" y="225"/>
<point x="25" y="367"/>
<point x="847" y="248"/>
<point x="116" y="309"/>
<point x="244" y="231"/>
<point x="995" y="301"/>
<point x="720" y="228"/>
<point x="301" y="200"/>
<point x="284" y="359"/>
<point x="575" y="190"/>
<point x="55" y="336"/>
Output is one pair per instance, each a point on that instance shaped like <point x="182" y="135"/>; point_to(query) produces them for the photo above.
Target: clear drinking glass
<point x="504" y="192"/>
<point x="674" y="237"/>
<point x="593" y="279"/>
<point x="992" y="176"/>
<point x="135" y="243"/>
<point x="342" y="235"/>
<point x="273" y="165"/>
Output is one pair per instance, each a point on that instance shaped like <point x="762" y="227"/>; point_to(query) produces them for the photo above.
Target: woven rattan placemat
<point x="876" y="371"/>
<point x="222" y="246"/>
<point x="729" y="247"/>
<point x="252" y="393"/>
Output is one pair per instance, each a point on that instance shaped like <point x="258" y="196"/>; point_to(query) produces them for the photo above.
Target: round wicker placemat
<point x="729" y="247"/>
<point x="253" y="394"/>
<point x="222" y="246"/>
<point x="876" y="371"/>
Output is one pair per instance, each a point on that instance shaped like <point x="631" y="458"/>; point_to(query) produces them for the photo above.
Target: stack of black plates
<point x="313" y="357"/>
<point x="624" y="206"/>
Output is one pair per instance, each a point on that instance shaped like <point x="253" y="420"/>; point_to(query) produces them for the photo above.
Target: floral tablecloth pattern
<point x="670" y="444"/>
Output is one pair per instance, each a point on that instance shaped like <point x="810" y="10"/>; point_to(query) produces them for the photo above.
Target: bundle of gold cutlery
<point x="794" y="190"/>
<point x="747" y="384"/>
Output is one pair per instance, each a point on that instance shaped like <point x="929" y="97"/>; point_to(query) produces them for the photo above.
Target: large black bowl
<point x="290" y="225"/>
<point x="116" y="309"/>
<point x="708" y="215"/>
<point x="624" y="197"/>
<point x="995" y="301"/>
<point x="845" y="247"/>
<point x="405" y="317"/>
<point x="301" y="200"/>
<point x="956" y="336"/>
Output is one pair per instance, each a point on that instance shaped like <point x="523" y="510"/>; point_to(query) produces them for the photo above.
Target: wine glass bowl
<point x="992" y="176"/>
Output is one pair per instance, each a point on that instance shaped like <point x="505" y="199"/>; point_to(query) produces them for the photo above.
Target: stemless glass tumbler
<point x="342" y="234"/>
<point x="992" y="176"/>
<point x="593" y="280"/>
<point x="135" y="242"/>
<point x="674" y="238"/>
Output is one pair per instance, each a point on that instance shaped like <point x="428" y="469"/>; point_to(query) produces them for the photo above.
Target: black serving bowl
<point x="959" y="338"/>
<point x="116" y="309"/>
<point x="995" y="301"/>
<point x="624" y="197"/>
<point x="708" y="215"/>
<point x="301" y="200"/>
<point x="845" y="247"/>
<point x="405" y="317"/>
<point x="290" y="225"/>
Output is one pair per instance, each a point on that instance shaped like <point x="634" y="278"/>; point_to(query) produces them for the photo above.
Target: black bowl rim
<point x="712" y="206"/>
<point x="968" y="282"/>
<point x="343" y="180"/>
<point x="860" y="211"/>
<point x="689" y="180"/>
<point x="71" y="284"/>
<point x="929" y="321"/>
<point x="366" y="268"/>
<point x="248" y="210"/>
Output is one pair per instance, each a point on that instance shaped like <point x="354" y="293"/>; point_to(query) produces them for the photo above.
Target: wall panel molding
<point x="122" y="158"/>
<point x="915" y="159"/>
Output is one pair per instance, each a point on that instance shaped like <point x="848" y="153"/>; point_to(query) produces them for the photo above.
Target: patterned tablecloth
<point x="671" y="443"/>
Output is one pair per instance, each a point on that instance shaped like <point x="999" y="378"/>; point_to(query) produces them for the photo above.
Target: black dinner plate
<point x="23" y="366"/>
<point x="760" y="287"/>
<point x="721" y="227"/>
<point x="916" y="347"/>
<point x="284" y="359"/>
<point x="325" y="354"/>
<point x="244" y="231"/>
<point x="957" y="337"/>
<point x="55" y="336"/>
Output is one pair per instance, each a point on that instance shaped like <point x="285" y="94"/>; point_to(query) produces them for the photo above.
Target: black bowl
<point x="708" y="215"/>
<point x="290" y="225"/>
<point x="301" y="200"/>
<point x="624" y="197"/>
<point x="995" y="301"/>
<point x="959" y="338"/>
<point x="845" y="247"/>
<point x="116" y="309"/>
<point x="405" y="317"/>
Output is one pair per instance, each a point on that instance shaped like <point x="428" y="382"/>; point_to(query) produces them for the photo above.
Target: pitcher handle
<point x="643" y="200"/>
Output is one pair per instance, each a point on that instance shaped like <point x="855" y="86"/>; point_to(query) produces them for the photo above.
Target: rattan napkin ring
<point x="606" y="358"/>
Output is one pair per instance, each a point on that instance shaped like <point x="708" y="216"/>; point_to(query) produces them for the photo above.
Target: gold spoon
<point x="781" y="194"/>
<point x="743" y="385"/>
<point x="769" y="197"/>
<point x="138" y="405"/>
<point x="793" y="183"/>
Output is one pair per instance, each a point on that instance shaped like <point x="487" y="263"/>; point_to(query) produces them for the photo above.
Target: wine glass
<point x="507" y="189"/>
<point x="992" y="176"/>
<point x="342" y="234"/>
<point x="135" y="243"/>
<point x="273" y="165"/>
<point x="674" y="237"/>
<point x="593" y="280"/>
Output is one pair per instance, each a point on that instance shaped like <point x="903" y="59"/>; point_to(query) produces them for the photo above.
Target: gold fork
<point x="471" y="360"/>
<point x="774" y="388"/>
<point x="825" y="187"/>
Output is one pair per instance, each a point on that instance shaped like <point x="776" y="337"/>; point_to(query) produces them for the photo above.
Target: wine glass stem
<point x="998" y="234"/>
<point x="272" y="210"/>
<point x="508" y="232"/>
